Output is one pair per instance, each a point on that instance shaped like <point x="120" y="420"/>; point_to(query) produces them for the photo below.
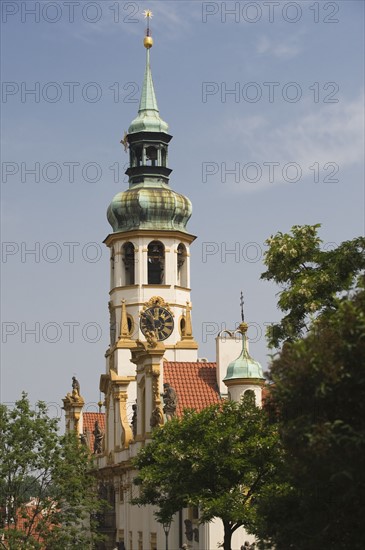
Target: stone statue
<point x="134" y="420"/>
<point x="189" y="532"/>
<point x="170" y="401"/>
<point x="151" y="338"/>
<point x="83" y="439"/>
<point x="98" y="441"/>
<point x="75" y="387"/>
<point x="156" y="418"/>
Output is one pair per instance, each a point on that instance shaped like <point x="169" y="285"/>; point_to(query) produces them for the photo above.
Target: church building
<point x="153" y="370"/>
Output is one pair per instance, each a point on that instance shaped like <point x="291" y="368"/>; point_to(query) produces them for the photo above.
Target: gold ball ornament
<point x="148" y="42"/>
<point x="243" y="327"/>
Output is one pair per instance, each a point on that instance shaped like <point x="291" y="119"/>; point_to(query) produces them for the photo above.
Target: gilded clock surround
<point x="156" y="319"/>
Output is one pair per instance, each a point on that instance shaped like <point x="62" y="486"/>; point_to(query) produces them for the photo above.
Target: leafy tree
<point x="55" y="471"/>
<point x="218" y="459"/>
<point x="317" y="397"/>
<point x="310" y="277"/>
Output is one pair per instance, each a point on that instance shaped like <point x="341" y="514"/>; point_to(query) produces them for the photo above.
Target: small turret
<point x="244" y="373"/>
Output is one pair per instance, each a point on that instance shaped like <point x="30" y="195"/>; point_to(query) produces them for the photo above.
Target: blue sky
<point x="291" y="128"/>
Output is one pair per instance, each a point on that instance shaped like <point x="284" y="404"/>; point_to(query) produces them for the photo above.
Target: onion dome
<point x="244" y="367"/>
<point x="156" y="208"/>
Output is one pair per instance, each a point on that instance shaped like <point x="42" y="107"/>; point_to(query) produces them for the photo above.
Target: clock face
<point x="158" y="320"/>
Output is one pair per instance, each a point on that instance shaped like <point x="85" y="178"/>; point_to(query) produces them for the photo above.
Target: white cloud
<point x="333" y="133"/>
<point x="282" y="48"/>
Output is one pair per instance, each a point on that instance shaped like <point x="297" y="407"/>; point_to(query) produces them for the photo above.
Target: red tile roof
<point x="28" y="521"/>
<point x="195" y="384"/>
<point x="89" y="419"/>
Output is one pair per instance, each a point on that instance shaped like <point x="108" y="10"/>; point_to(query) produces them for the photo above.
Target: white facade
<point x="141" y="291"/>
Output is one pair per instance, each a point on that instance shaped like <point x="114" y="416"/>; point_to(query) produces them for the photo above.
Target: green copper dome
<point x="142" y="207"/>
<point x="244" y="366"/>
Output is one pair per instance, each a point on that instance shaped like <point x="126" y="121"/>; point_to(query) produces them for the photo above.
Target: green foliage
<point x="318" y="400"/>
<point x="35" y="461"/>
<point x="218" y="459"/>
<point x="311" y="278"/>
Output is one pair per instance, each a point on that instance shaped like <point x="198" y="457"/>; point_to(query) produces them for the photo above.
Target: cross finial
<point x="242" y="303"/>
<point x="148" y="15"/>
<point x="148" y="40"/>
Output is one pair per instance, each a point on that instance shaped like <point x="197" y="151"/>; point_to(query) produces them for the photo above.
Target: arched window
<point x="112" y="324"/>
<point x="182" y="268"/>
<point x="182" y="326"/>
<point x="130" y="324"/>
<point x="156" y="263"/>
<point x="151" y="156"/>
<point x="112" y="265"/>
<point x="250" y="394"/>
<point x="128" y="260"/>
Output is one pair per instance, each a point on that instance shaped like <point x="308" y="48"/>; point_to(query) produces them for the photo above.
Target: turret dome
<point x="244" y="367"/>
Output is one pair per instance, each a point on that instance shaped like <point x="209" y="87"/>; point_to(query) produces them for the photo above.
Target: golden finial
<point x="148" y="40"/>
<point x="242" y="328"/>
<point x="148" y="14"/>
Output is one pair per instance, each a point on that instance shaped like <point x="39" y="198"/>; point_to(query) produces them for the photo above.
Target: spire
<point x="148" y="97"/>
<point x="148" y="118"/>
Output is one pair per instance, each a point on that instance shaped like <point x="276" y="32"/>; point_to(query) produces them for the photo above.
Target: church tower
<point x="150" y="245"/>
<point x="149" y="300"/>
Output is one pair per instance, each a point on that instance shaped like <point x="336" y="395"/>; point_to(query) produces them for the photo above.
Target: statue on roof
<point x="170" y="401"/>
<point x="75" y="386"/>
<point x="156" y="418"/>
<point x="83" y="438"/>
<point x="98" y="438"/>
